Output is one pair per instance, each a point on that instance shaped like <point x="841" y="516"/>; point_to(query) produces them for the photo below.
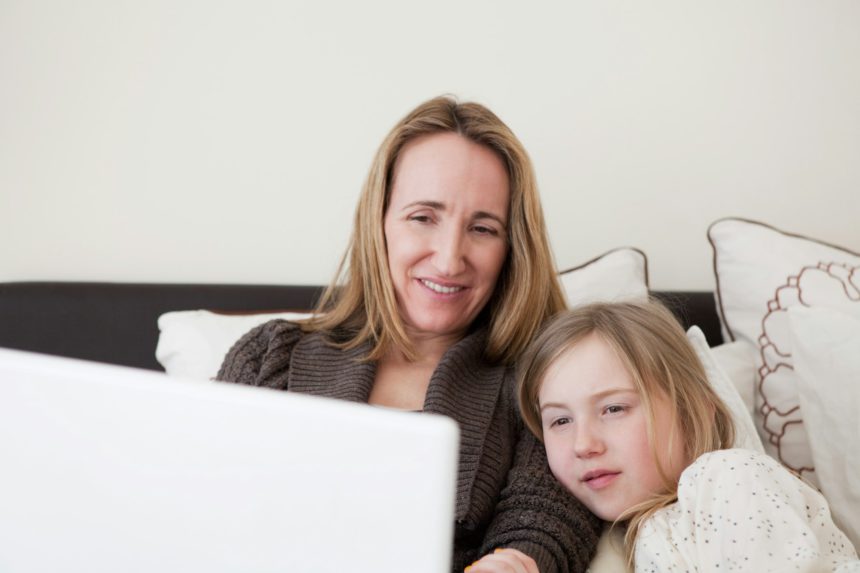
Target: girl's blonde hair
<point x="361" y="300"/>
<point x="653" y="347"/>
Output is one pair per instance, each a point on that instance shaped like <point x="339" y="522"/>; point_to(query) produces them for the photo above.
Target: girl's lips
<point x="600" y="480"/>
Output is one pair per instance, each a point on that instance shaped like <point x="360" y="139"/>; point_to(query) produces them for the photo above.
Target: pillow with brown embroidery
<point x="762" y="272"/>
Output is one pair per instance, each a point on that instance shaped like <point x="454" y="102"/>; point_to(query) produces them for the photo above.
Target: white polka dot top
<point x="740" y="510"/>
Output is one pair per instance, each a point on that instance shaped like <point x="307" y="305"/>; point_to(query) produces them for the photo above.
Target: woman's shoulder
<point x="280" y="331"/>
<point x="252" y="357"/>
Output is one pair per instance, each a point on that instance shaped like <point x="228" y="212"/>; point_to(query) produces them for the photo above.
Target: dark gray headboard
<point x="116" y="322"/>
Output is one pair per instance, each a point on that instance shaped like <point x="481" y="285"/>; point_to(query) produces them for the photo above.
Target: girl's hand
<point x="504" y="561"/>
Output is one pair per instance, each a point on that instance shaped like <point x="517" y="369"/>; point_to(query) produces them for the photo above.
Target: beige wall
<point x="227" y="141"/>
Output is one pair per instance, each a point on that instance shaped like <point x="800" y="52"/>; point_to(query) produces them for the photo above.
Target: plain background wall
<point x="206" y="141"/>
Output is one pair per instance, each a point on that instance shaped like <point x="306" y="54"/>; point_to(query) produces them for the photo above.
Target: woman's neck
<point x="402" y="383"/>
<point x="428" y="348"/>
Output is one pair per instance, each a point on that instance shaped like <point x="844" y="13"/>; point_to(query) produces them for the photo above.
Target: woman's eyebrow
<point x="431" y="204"/>
<point x="488" y="215"/>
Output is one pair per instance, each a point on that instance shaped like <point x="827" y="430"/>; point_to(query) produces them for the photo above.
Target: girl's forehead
<point x="588" y="367"/>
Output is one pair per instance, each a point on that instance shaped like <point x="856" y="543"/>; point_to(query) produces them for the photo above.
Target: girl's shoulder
<point x="744" y="510"/>
<point x="731" y="455"/>
<point x="742" y="456"/>
<point x="719" y="479"/>
<point x="731" y="464"/>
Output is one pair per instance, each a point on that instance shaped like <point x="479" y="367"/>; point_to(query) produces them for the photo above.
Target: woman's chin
<point x="435" y="328"/>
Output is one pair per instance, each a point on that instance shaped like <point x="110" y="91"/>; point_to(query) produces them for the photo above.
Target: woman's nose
<point x="449" y="256"/>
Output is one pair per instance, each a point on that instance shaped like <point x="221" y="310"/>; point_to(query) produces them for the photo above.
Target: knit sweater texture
<point x="506" y="495"/>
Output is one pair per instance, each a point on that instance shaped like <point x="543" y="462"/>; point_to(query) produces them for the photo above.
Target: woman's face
<point x="446" y="232"/>
<point x="595" y="431"/>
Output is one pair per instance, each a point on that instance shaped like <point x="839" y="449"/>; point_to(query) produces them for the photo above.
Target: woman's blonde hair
<point x="361" y="299"/>
<point x="653" y="347"/>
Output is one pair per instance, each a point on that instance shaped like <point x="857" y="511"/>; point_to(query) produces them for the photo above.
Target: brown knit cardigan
<point x="506" y="496"/>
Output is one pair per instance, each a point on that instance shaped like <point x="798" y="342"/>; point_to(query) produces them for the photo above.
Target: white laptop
<point x="107" y="468"/>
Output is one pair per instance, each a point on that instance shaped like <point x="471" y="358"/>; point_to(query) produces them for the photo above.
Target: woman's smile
<point x="441" y="288"/>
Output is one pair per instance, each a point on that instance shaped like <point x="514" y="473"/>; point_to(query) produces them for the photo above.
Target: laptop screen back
<point x="106" y="468"/>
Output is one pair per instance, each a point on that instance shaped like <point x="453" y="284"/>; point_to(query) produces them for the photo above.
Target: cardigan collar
<point x="464" y="386"/>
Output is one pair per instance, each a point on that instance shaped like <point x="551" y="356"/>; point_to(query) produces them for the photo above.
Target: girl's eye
<point x="615" y="409"/>
<point x="559" y="422"/>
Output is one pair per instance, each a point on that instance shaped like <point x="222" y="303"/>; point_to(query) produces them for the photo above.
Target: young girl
<point x="633" y="429"/>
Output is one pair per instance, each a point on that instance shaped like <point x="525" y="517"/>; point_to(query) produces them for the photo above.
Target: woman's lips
<point x="439" y="287"/>
<point x="599" y="479"/>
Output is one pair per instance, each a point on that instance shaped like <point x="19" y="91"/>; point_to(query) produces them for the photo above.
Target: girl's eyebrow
<point x="594" y="397"/>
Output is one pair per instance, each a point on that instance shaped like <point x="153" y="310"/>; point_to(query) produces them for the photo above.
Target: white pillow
<point x="761" y="272"/>
<point x="616" y="276"/>
<point x="737" y="360"/>
<point x="826" y="349"/>
<point x="746" y="435"/>
<point x="192" y="343"/>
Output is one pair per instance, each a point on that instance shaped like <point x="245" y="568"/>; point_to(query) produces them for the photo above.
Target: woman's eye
<point x="420" y="218"/>
<point x="615" y="409"/>
<point x="484" y="230"/>
<point x="559" y="422"/>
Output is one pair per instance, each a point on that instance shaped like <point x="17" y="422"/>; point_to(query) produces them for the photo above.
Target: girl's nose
<point x="587" y="442"/>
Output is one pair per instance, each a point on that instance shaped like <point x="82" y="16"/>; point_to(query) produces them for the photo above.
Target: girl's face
<point x="446" y="232"/>
<point x="595" y="432"/>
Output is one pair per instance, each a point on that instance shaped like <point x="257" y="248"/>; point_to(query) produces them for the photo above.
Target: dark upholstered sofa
<point x="116" y="322"/>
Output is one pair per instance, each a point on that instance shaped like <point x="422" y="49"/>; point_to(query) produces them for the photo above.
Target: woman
<point x="449" y="275"/>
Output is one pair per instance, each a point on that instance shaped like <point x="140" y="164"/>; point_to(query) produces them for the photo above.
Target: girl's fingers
<point x="504" y="561"/>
